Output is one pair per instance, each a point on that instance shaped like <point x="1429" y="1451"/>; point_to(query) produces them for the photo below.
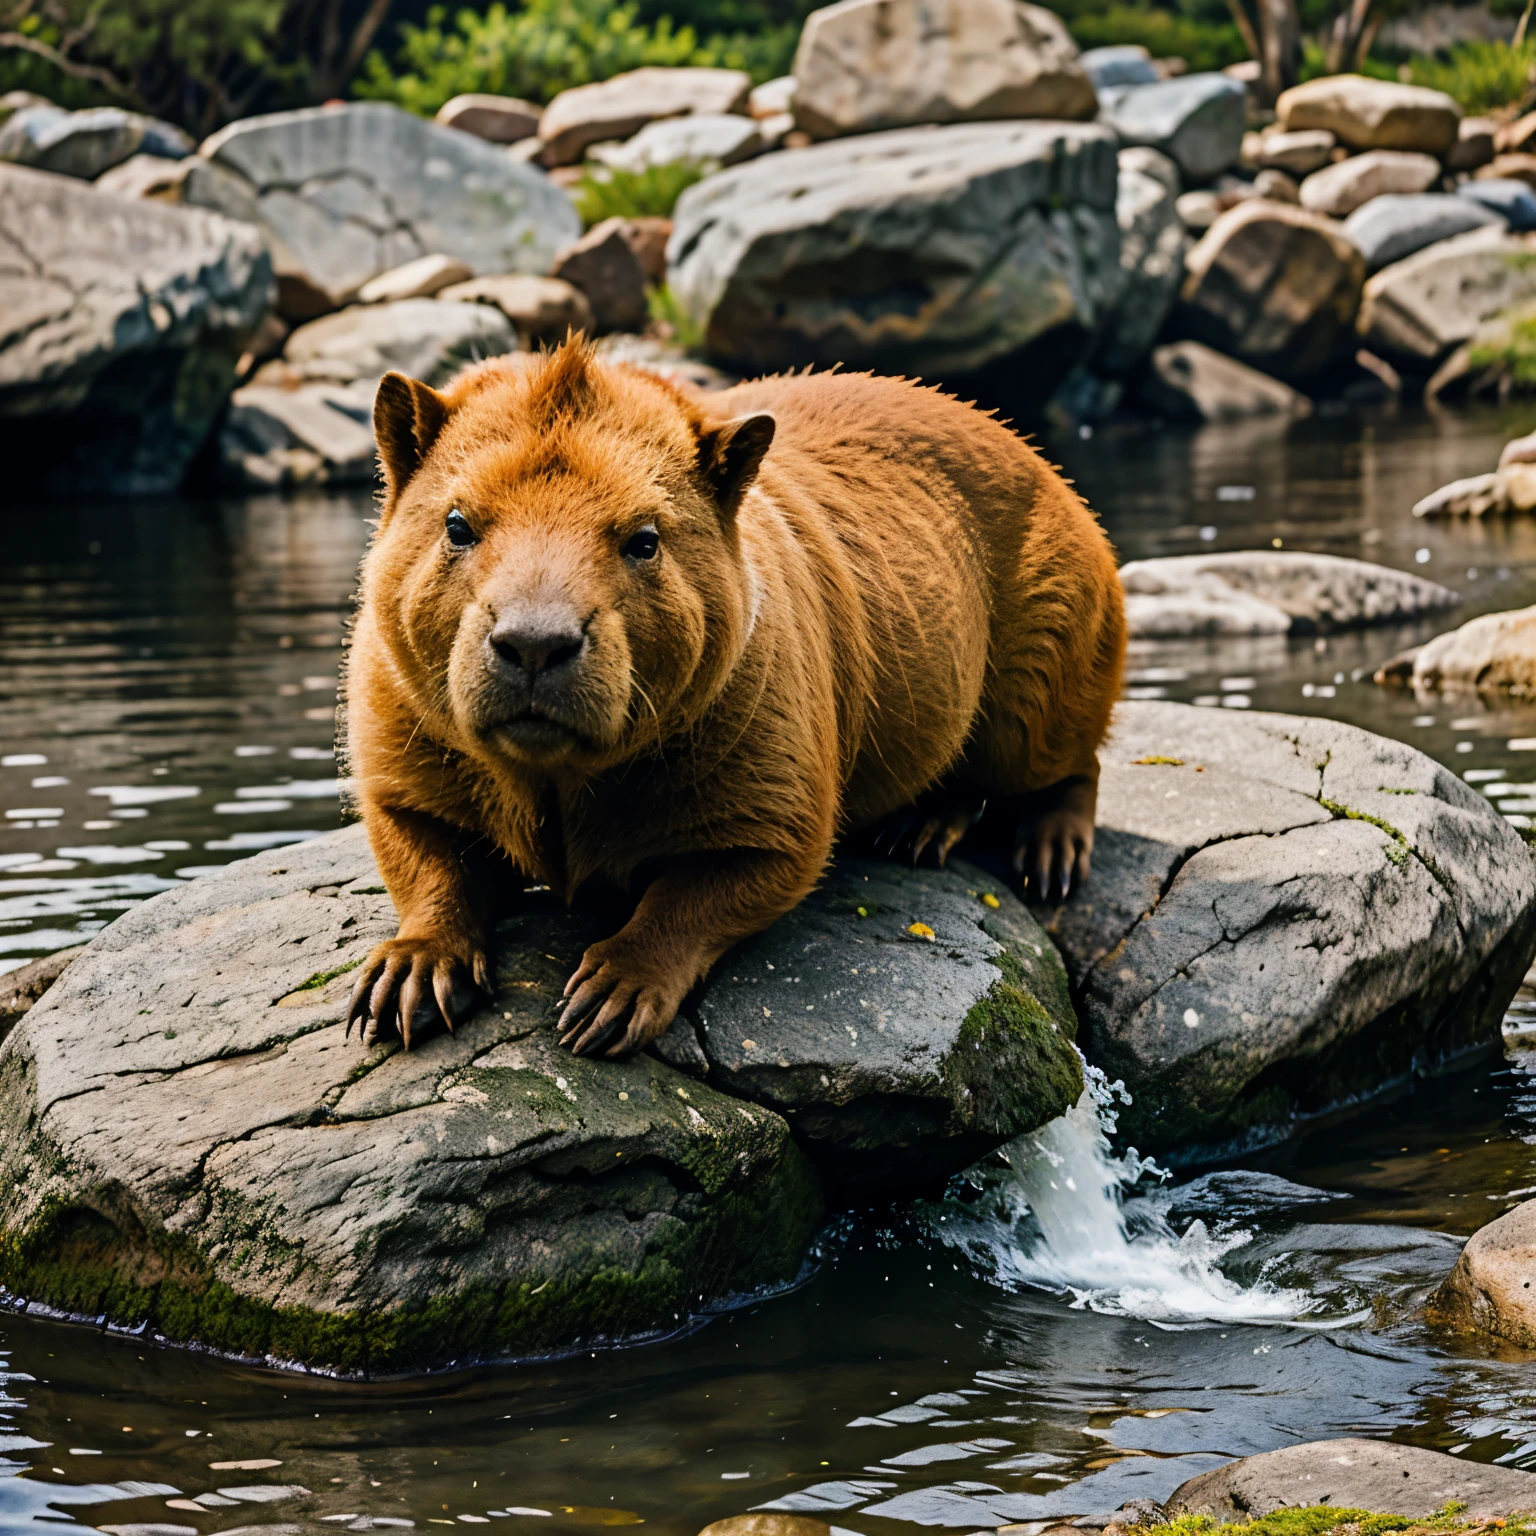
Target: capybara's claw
<point x="617" y="1000"/>
<point x="1053" y="854"/>
<point x="407" y="984"/>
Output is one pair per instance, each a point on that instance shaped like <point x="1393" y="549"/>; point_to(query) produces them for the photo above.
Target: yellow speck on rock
<point x="989" y="900"/>
<point x="920" y="931"/>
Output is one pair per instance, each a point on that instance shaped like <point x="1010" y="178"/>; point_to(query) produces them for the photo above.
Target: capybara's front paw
<point x="406" y="985"/>
<point x="1052" y="852"/>
<point x="621" y="997"/>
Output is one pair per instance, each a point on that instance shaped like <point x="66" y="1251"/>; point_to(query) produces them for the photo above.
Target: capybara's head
<point x="558" y="569"/>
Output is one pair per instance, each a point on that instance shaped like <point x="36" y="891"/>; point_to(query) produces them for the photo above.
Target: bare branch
<point x="75" y="70"/>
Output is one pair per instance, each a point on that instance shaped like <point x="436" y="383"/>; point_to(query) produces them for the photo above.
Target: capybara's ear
<point x="407" y="416"/>
<point x="730" y="455"/>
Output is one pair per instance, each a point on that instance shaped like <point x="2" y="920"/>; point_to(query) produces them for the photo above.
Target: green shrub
<point x="1165" y="34"/>
<point x="546" y="46"/>
<point x="605" y="193"/>
<point x="1481" y="76"/>
<point x="674" y="321"/>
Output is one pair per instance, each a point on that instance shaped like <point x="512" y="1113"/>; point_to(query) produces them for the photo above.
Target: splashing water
<point x="1067" y="1178"/>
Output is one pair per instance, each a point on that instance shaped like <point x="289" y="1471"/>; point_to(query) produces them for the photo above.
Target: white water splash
<point x="1067" y="1178"/>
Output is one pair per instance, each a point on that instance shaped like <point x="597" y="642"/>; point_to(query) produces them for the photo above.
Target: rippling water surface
<point x="1011" y="1352"/>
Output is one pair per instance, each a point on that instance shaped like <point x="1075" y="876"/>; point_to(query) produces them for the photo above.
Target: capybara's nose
<point x="537" y="645"/>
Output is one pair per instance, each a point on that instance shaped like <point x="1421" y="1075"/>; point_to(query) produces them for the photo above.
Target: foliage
<point x="1509" y="347"/>
<point x="674" y="321"/>
<point x="605" y="192"/>
<point x="1481" y="76"/>
<point x="1321" y="1519"/>
<point x="546" y="46"/>
<point x="196" y="62"/>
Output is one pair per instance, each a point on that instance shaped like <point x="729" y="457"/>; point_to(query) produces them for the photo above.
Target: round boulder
<point x="1284" y="914"/>
<point x="1493" y="1286"/>
<point x="1275" y="286"/>
<point x="1372" y="114"/>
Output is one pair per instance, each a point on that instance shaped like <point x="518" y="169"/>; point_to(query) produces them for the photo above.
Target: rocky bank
<point x="193" y="1142"/>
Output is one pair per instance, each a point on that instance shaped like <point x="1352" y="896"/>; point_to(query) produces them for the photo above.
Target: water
<point x="1009" y="1352"/>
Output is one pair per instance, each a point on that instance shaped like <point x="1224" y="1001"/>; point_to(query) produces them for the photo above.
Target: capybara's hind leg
<point x="1053" y="840"/>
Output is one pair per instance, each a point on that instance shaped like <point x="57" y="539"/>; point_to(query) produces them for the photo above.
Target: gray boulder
<point x="926" y="250"/>
<point x="605" y="268"/>
<point x="347" y="192"/>
<point x="123" y="321"/>
<point x="1186" y="379"/>
<point x="1416" y="311"/>
<point x="1270" y="592"/>
<point x="1197" y="120"/>
<point x="1118" y="64"/>
<point x="428" y="339"/>
<point x="190" y="1141"/>
<point x="865" y="65"/>
<point x="192" y="1144"/>
<point x="1153" y="245"/>
<point x="1493" y="653"/>
<point x="84" y="144"/>
<point x="1513" y="201"/>
<point x="1379" y="1475"/>
<point x="897" y="1058"/>
<point x="318" y="434"/>
<point x="1284" y="913"/>
<point x="1393" y="226"/>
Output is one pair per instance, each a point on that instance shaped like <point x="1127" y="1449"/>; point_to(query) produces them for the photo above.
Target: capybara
<point x="676" y="643"/>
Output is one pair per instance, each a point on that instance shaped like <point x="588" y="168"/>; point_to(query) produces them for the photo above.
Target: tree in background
<point x="197" y="62"/>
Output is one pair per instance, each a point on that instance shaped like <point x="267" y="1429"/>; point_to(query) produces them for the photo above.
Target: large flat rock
<point x="345" y="193"/>
<point x="1378" y="1475"/>
<point x="935" y="251"/>
<point x="191" y="1141"/>
<point x="122" y="322"/>
<point x="1283" y="914"/>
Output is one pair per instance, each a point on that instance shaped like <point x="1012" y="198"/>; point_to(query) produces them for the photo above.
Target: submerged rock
<point x="1493" y="653"/>
<point x="1185" y="378"/>
<point x="1270" y="592"/>
<point x="1492" y="1289"/>
<point x="317" y="434"/>
<point x="124" y="321"/>
<point x="1284" y="913"/>
<point x="190" y="1141"/>
<point x="866" y="65"/>
<point x="1379" y="1475"/>
<point x="935" y="251"/>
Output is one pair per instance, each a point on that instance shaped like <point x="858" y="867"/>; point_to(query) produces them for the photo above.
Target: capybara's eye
<point x="642" y="545"/>
<point x="459" y="531"/>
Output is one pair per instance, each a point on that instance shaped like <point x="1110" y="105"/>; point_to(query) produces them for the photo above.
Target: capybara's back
<point x="678" y="642"/>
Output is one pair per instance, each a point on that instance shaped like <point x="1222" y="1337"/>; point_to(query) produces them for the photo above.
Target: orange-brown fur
<point x="901" y="595"/>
